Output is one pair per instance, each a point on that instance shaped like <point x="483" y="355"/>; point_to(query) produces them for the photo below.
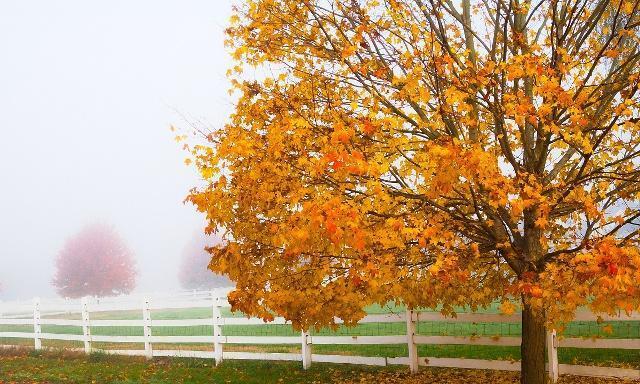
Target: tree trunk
<point x="532" y="347"/>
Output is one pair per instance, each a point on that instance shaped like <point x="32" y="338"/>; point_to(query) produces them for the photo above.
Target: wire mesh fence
<point x="187" y="324"/>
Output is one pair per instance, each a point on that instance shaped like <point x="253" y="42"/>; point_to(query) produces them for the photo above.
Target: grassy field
<point x="21" y="366"/>
<point x="606" y="357"/>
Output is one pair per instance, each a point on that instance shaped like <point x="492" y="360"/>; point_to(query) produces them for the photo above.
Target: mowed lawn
<point x="586" y="329"/>
<point x="22" y="366"/>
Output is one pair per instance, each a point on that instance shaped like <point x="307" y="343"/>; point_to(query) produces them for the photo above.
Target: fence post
<point x="217" y="327"/>
<point x="146" y="317"/>
<point x="86" y="326"/>
<point x="552" y="355"/>
<point x="37" y="328"/>
<point x="306" y="350"/>
<point x="413" y="348"/>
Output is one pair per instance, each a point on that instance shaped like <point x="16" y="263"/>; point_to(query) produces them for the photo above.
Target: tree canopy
<point x="95" y="262"/>
<point x="430" y="152"/>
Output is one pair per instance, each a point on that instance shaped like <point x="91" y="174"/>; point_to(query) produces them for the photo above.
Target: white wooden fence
<point x="215" y="301"/>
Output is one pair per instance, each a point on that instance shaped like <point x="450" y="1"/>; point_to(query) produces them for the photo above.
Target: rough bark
<point x="533" y="347"/>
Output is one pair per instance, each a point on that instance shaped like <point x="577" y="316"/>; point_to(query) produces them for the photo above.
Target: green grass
<point x="607" y="357"/>
<point x="22" y="366"/>
<point x="98" y="368"/>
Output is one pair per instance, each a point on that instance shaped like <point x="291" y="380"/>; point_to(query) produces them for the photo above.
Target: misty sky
<point x="88" y="90"/>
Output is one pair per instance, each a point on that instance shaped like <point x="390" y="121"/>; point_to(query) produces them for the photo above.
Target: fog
<point x="88" y="90"/>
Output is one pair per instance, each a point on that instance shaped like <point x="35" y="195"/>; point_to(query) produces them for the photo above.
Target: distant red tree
<point x="95" y="262"/>
<point x="194" y="270"/>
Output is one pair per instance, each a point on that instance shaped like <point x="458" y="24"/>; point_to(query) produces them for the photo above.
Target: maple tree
<point x="431" y="153"/>
<point x="194" y="270"/>
<point x="96" y="262"/>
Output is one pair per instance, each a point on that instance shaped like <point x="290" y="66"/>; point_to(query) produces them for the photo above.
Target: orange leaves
<point x="206" y="172"/>
<point x="348" y="51"/>
<point x="541" y="222"/>
<point x="334" y="159"/>
<point x="239" y="53"/>
<point x="418" y="169"/>
<point x="222" y="181"/>
<point x="535" y="291"/>
<point x="629" y="6"/>
<point x="523" y="66"/>
<point x="341" y="135"/>
<point x="356" y="280"/>
<point x="333" y="213"/>
<point x="609" y="257"/>
<point x="395" y="224"/>
<point x="549" y="88"/>
<point x="456" y="97"/>
<point x="359" y="241"/>
<point x="608" y="329"/>
<point x="331" y="226"/>
<point x="368" y="127"/>
<point x="343" y="225"/>
<point x="515" y="72"/>
<point x="380" y="73"/>
<point x="602" y="277"/>
<point x="371" y="268"/>
<point x="507" y="307"/>
<point x="343" y="161"/>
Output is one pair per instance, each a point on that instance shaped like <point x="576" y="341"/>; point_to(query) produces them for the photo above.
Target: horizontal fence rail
<point x="79" y="330"/>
